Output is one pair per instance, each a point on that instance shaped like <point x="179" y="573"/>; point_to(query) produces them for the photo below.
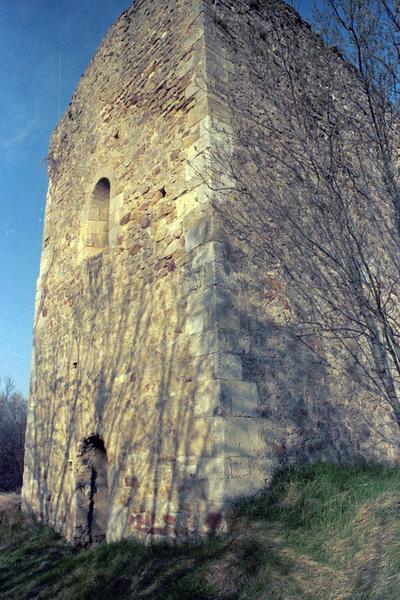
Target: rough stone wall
<point x="305" y="407"/>
<point x="113" y="357"/>
<point x="153" y="336"/>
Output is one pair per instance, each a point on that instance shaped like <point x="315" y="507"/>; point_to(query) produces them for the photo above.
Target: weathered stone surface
<point x="240" y="398"/>
<point x="160" y="352"/>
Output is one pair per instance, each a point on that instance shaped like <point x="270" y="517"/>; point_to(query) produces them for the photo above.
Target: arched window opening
<point x="92" y="487"/>
<point x="98" y="217"/>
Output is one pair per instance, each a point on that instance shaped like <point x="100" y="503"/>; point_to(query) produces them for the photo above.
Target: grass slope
<point x="322" y="532"/>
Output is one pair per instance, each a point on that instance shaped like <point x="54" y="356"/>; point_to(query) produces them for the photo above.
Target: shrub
<point x="12" y="436"/>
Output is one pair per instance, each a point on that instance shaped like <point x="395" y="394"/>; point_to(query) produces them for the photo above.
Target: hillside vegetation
<point x="321" y="532"/>
<point x="12" y="435"/>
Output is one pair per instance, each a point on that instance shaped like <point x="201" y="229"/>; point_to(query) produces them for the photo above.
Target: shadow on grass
<point x="320" y="532"/>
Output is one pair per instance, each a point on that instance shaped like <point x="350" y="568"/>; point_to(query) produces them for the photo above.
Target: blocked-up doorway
<point x="92" y="492"/>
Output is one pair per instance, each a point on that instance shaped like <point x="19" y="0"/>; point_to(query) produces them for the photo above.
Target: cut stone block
<point x="210" y="252"/>
<point x="239" y="398"/>
<point x="194" y="324"/>
<point x="206" y="298"/>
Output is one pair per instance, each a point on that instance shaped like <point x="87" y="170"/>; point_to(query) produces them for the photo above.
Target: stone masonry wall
<point x="161" y="361"/>
<point x="115" y="355"/>
<point x="304" y="407"/>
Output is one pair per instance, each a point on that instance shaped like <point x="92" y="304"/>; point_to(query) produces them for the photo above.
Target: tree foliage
<point x="12" y="436"/>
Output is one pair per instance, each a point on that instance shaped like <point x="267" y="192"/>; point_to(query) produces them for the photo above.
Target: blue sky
<point x="45" y="45"/>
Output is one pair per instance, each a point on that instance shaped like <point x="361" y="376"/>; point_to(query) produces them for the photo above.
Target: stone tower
<point x="161" y="386"/>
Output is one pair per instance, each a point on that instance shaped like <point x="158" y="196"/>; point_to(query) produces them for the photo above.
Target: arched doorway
<point x="92" y="489"/>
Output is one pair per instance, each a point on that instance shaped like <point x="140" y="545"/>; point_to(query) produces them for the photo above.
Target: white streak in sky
<point x="20" y="136"/>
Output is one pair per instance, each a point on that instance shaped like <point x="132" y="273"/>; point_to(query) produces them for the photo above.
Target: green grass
<point x="321" y="532"/>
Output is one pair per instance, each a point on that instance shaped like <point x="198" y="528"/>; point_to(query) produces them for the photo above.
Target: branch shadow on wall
<point x="120" y="375"/>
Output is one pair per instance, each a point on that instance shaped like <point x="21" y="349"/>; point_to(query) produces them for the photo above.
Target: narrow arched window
<point x="98" y="217"/>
